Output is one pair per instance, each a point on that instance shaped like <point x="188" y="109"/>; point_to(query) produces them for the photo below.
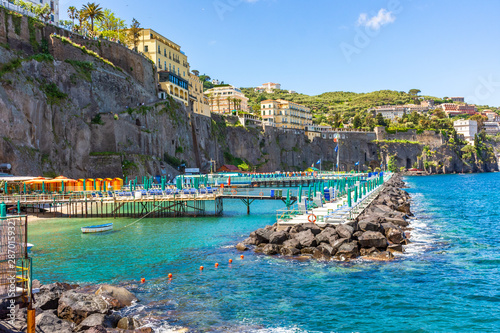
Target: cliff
<point x="89" y="108"/>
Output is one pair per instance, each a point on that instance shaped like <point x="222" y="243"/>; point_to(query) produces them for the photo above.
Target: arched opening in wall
<point x="408" y="163"/>
<point x="138" y="122"/>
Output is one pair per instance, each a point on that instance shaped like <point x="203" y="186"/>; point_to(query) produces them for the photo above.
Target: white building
<point x="468" y="128"/>
<point x="269" y="87"/>
<point x="491" y="127"/>
<point x="226" y="98"/>
<point x="53" y="4"/>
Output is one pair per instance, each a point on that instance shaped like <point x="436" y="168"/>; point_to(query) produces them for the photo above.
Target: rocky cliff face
<point x="71" y="107"/>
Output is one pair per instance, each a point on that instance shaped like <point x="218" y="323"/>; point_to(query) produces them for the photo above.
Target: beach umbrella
<point x="18" y="207"/>
<point x="162" y="184"/>
<point x="364" y="189"/>
<point x="62" y="186"/>
<point x="126" y="180"/>
<point x="349" y="203"/>
<point x="6" y="190"/>
<point x="309" y="194"/>
<point x="43" y="187"/>
<point x="300" y="193"/>
<point x="288" y="199"/>
<point x="356" y="193"/>
<point x="84" y="185"/>
<point x="24" y="188"/>
<point x="94" y="184"/>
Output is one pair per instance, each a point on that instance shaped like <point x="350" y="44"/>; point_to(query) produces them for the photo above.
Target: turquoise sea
<point x="448" y="279"/>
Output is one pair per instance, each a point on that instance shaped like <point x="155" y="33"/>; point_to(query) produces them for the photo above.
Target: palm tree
<point x="73" y="14"/>
<point x="94" y="12"/>
<point x="229" y="103"/>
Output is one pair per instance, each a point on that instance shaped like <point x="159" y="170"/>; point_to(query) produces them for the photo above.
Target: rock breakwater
<point x="379" y="232"/>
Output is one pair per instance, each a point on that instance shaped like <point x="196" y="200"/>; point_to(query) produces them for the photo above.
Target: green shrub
<point x="97" y="120"/>
<point x="54" y="95"/>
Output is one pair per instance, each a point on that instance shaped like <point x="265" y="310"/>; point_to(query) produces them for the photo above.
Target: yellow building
<point x="171" y="62"/>
<point x="198" y="101"/>
<point x="281" y="113"/>
<point x="226" y="98"/>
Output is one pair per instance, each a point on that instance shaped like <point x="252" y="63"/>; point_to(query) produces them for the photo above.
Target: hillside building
<point x="458" y="99"/>
<point x="285" y="114"/>
<point x="226" y="98"/>
<point x="197" y="100"/>
<point x="452" y="109"/>
<point x="467" y="128"/>
<point x="171" y="62"/>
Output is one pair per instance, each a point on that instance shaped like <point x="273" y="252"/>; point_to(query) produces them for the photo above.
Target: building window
<point x="151" y="36"/>
<point x="165" y="64"/>
<point x="159" y="50"/>
<point x="165" y="52"/>
<point x="145" y="48"/>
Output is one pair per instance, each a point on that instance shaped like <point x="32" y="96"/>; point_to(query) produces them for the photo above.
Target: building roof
<point x="229" y="167"/>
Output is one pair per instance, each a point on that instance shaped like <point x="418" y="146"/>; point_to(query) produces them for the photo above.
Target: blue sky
<point x="444" y="48"/>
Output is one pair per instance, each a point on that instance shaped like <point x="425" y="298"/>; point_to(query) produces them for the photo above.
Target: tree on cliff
<point x="93" y="12"/>
<point x="380" y="120"/>
<point x="73" y="14"/>
<point x="392" y="166"/>
<point x="133" y="33"/>
<point x="356" y="122"/>
<point x="111" y="26"/>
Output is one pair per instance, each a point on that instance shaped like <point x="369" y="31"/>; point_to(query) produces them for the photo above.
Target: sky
<point x="444" y="48"/>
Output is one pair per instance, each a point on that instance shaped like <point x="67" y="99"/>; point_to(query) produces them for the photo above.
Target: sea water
<point x="447" y="280"/>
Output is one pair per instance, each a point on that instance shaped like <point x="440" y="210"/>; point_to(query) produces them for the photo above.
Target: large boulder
<point x="338" y="243"/>
<point x="344" y="231"/>
<point x="397" y="220"/>
<point x="365" y="252"/>
<point x="306" y="238"/>
<point x="99" y="319"/>
<point x="308" y="250"/>
<point x="116" y="297"/>
<point x="278" y="237"/>
<point x="262" y="235"/>
<point x="380" y="256"/>
<point x="311" y="226"/>
<point x="292" y="243"/>
<point x="289" y="251"/>
<point x="241" y="247"/>
<point x="394" y="235"/>
<point x="48" y="297"/>
<point x="271" y="249"/>
<point x="128" y="323"/>
<point x="372" y="239"/>
<point x="97" y="329"/>
<point x="327" y="250"/>
<point x="326" y="235"/>
<point x="49" y="322"/>
<point x="77" y="306"/>
<point x="348" y="251"/>
<point x="250" y="241"/>
<point x="369" y="224"/>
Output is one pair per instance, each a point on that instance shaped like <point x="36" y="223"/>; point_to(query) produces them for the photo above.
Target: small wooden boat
<point x="29" y="246"/>
<point x="97" y="228"/>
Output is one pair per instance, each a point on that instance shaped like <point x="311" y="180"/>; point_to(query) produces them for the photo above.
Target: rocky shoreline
<point x="377" y="234"/>
<point x="65" y="308"/>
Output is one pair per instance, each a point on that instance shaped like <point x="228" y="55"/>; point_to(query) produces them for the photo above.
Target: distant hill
<point x="330" y="105"/>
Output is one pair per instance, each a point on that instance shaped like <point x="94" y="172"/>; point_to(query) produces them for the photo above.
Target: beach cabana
<point x="79" y="184"/>
<point x="98" y="183"/>
<point x="117" y="184"/>
<point x="60" y="184"/>
<point x="89" y="184"/>
<point x="36" y="184"/>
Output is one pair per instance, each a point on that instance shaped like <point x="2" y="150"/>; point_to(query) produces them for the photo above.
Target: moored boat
<point x="97" y="228"/>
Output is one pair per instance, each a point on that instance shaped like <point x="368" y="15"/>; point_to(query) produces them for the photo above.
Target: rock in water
<point x="326" y="235"/>
<point x="373" y="239"/>
<point x="348" y="251"/>
<point x="278" y="237"/>
<point x="48" y="297"/>
<point x="306" y="238"/>
<point x="241" y="247"/>
<point x="49" y="322"/>
<point x="289" y="251"/>
<point x="121" y="295"/>
<point x="271" y="249"/>
<point x="127" y="323"/>
<point x="263" y="235"/>
<point x="395" y="236"/>
<point x="76" y="306"/>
